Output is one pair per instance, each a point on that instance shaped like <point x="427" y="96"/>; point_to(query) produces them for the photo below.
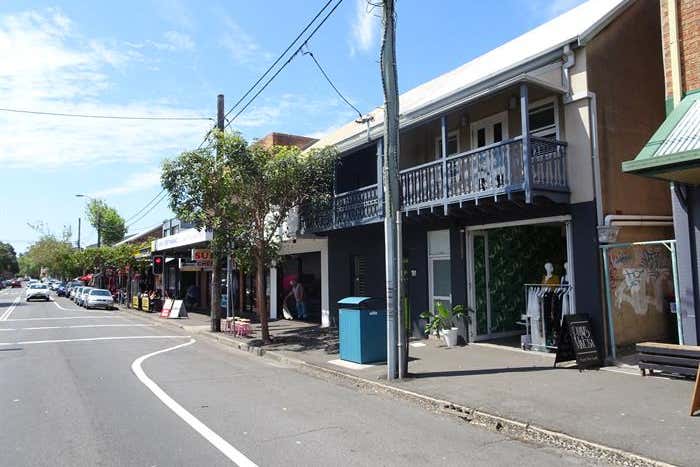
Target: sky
<point x="170" y="58"/>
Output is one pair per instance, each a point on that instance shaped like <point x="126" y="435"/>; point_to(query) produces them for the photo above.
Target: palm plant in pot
<point x="441" y="322"/>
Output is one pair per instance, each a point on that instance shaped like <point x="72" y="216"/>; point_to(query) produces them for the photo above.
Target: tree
<point x="245" y="194"/>
<point x="107" y="221"/>
<point x="57" y="255"/>
<point x="8" y="261"/>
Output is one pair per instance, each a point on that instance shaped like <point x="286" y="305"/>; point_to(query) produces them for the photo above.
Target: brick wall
<point x="688" y="42"/>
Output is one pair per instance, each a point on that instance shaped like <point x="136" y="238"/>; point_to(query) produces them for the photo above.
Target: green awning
<point x="673" y="153"/>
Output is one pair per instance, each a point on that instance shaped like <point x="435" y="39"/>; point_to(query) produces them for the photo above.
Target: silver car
<point x="99" y="298"/>
<point x="83" y="295"/>
<point x="38" y="290"/>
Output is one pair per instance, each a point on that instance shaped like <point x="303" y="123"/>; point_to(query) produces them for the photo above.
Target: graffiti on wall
<point x="640" y="277"/>
<point x="641" y="285"/>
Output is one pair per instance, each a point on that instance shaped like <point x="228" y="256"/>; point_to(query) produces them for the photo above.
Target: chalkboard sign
<point x="576" y="342"/>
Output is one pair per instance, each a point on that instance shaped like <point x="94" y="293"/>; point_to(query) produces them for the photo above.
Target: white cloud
<point x="47" y="66"/>
<point x="138" y="181"/>
<point x="243" y="47"/>
<point x="179" y="41"/>
<point x="364" y="28"/>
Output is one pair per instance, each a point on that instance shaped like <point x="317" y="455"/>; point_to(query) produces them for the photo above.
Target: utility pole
<point x="391" y="180"/>
<point x="215" y="312"/>
<point x="78" y="233"/>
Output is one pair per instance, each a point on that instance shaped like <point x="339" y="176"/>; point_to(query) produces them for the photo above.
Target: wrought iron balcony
<point x="491" y="171"/>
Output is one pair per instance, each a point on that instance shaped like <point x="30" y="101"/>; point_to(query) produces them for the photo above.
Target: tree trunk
<point x="260" y="298"/>
<point x="215" y="312"/>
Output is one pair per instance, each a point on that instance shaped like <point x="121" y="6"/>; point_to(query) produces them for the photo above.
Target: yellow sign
<point x="135" y="302"/>
<point x="145" y="303"/>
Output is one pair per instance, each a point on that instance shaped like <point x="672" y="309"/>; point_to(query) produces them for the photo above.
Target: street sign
<point x="201" y="255"/>
<point x="576" y="342"/>
<point x="176" y="309"/>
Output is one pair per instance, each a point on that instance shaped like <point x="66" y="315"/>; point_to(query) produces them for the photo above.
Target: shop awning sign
<point x="202" y="257"/>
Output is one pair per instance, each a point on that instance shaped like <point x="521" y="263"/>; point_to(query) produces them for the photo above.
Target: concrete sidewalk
<point x="613" y="407"/>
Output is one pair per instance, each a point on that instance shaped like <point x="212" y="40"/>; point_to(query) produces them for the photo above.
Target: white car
<point x="99" y="298"/>
<point x="82" y="295"/>
<point x="38" y="290"/>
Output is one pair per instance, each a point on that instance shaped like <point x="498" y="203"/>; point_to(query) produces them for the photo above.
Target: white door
<point x="489" y="130"/>
<point x="439" y="277"/>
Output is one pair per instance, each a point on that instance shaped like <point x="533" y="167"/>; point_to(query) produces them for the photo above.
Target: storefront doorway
<point x="306" y="269"/>
<point x="505" y="263"/>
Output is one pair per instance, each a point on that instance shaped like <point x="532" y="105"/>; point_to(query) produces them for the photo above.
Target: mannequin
<point x="565" y="277"/>
<point x="549" y="278"/>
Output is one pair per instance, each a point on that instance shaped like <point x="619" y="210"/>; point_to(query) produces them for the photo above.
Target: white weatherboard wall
<point x="313" y="245"/>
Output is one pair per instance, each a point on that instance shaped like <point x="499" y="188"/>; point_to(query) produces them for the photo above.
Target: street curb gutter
<point x="506" y="426"/>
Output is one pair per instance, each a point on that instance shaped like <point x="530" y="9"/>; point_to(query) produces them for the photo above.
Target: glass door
<point x="439" y="280"/>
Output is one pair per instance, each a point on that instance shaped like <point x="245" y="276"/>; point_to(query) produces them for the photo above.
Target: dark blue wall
<point x="686" y="224"/>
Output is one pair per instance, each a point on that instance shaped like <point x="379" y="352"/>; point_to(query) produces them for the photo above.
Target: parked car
<point x="83" y="295"/>
<point x="75" y="292"/>
<point x="38" y="290"/>
<point x="99" y="298"/>
<point x="16" y="284"/>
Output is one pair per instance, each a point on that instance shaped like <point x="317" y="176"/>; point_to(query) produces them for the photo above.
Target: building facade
<point x="509" y="174"/>
<point x="672" y="154"/>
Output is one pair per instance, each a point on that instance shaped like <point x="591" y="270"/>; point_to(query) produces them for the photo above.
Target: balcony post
<point x="335" y="190"/>
<point x="443" y="150"/>
<point x="525" y="125"/>
<point x="380" y="176"/>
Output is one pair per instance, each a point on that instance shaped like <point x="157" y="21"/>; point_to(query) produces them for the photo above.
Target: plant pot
<point x="450" y="336"/>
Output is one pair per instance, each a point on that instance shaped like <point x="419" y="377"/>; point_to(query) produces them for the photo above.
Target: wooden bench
<point x="668" y="358"/>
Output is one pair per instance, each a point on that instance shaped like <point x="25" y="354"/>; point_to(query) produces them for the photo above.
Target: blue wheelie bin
<point x="362" y="329"/>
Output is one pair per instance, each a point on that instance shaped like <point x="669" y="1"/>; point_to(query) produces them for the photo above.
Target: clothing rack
<point x="541" y="323"/>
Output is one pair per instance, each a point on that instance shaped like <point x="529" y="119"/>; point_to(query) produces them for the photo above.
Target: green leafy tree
<point x="107" y="221"/>
<point x="245" y="194"/>
<point x="8" y="260"/>
<point x="56" y="255"/>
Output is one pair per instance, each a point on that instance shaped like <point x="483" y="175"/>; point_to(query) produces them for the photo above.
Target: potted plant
<point x="442" y="322"/>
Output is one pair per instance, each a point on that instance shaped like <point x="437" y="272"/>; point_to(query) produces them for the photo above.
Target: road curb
<point x="512" y="428"/>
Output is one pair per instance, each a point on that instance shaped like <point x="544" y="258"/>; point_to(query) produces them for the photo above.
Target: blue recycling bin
<point x="362" y="329"/>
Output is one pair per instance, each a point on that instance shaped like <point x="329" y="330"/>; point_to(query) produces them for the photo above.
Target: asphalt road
<point x="80" y="388"/>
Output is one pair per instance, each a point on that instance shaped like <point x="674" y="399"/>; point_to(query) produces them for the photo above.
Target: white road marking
<point x="78" y="309"/>
<point x="65" y="317"/>
<point x="207" y="433"/>
<point x="10" y="310"/>
<point x="76" y="326"/>
<point x="90" y="339"/>
<point x="7" y="329"/>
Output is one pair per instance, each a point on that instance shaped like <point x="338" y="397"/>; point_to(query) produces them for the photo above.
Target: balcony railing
<point x="493" y="170"/>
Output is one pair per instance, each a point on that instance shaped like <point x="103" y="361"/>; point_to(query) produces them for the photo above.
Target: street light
<point x="99" y="220"/>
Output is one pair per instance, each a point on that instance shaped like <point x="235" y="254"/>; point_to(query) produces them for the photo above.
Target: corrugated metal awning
<point x="673" y="152"/>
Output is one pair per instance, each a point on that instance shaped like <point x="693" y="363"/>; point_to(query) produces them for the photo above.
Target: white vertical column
<point x="325" y="300"/>
<point x="273" y="292"/>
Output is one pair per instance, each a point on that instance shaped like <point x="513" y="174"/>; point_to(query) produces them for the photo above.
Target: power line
<point x="325" y="75"/>
<point x="112" y="117"/>
<point x="296" y="39"/>
<point x="147" y="204"/>
<point x="296" y="52"/>
<point x="165" y="195"/>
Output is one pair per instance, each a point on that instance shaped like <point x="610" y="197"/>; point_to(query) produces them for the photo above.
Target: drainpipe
<point x="674" y="52"/>
<point x="569" y="62"/>
<point x="626" y="220"/>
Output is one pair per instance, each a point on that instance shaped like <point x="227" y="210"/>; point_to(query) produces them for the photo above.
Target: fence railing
<point x="487" y="171"/>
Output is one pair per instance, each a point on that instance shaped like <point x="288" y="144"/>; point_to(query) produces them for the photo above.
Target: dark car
<point x="16" y="284"/>
<point x="62" y="290"/>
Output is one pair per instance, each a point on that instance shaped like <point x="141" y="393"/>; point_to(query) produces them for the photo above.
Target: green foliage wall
<point x="516" y="257"/>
